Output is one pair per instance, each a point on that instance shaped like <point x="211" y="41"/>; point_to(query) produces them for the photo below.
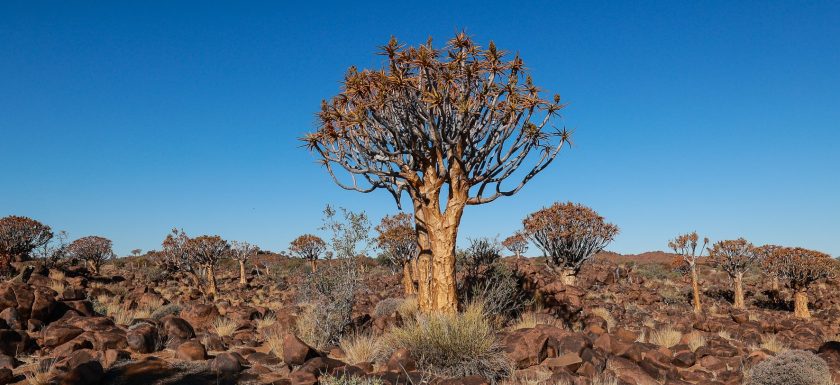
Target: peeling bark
<point x="738" y="302"/>
<point x="800" y="304"/>
<point x="695" y="288"/>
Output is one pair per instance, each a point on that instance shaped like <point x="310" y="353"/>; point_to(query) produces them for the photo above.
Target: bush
<point x="349" y="380"/>
<point x="792" y="367"/>
<point x="387" y="306"/>
<point x="328" y="298"/>
<point x="500" y="290"/>
<point x="453" y="345"/>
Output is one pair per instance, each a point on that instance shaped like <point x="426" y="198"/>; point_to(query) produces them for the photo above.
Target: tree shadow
<point x="772" y="300"/>
<point x="158" y="372"/>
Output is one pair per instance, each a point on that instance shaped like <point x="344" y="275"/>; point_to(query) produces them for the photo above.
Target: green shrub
<point x="791" y="367"/>
<point x="452" y="345"/>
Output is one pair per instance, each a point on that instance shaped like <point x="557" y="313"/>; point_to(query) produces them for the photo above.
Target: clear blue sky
<point x="124" y="120"/>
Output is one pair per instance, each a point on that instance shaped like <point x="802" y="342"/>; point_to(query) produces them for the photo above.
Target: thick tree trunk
<point x="800" y="304"/>
<point x="775" y="283"/>
<point x="313" y="265"/>
<point x="93" y="268"/>
<point x="408" y="281"/>
<point x="242" y="272"/>
<point x="695" y="288"/>
<point x="738" y="302"/>
<point x="211" y="279"/>
<point x="436" y="237"/>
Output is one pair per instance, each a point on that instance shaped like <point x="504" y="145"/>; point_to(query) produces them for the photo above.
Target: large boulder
<point x="295" y="351"/>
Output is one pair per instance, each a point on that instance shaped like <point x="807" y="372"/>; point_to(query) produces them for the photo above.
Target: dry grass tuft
<point x="360" y="348"/>
<point x="695" y="341"/>
<point x="223" y="327"/>
<point x="58" y="286"/>
<point x="43" y="373"/>
<point x="665" y="337"/>
<point x="606" y="316"/>
<point x="453" y="345"/>
<point x="57" y="275"/>
<point x="274" y="340"/>
<point x="266" y="321"/>
<point x="725" y="335"/>
<point x="408" y="308"/>
<point x="772" y="343"/>
<point x="531" y="319"/>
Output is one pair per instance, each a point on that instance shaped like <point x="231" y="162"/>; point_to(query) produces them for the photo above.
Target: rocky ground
<point x="626" y="321"/>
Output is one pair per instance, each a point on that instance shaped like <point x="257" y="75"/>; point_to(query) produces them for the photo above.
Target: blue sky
<point x="126" y="120"/>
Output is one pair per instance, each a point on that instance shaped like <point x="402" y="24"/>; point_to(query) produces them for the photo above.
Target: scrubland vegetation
<point x="400" y="302"/>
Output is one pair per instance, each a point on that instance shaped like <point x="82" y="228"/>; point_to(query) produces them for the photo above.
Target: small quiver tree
<point x="308" y="247"/>
<point x="207" y="251"/>
<point x="734" y="257"/>
<point x="685" y="246"/>
<point x="19" y="236"/>
<point x="799" y="268"/>
<point x="398" y="240"/>
<point x="241" y="252"/>
<point x="93" y="250"/>
<point x="569" y="235"/>
<point x="516" y="244"/>
<point x="175" y="258"/>
<point x="450" y="127"/>
<point x="763" y="255"/>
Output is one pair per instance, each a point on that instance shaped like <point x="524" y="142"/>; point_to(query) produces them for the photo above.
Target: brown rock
<point x="57" y="334"/>
<point x="178" y="328"/>
<point x="12" y="317"/>
<point x="88" y="373"/>
<point x="401" y="360"/>
<point x="191" y="351"/>
<point x="295" y="351"/>
<point x="142" y="338"/>
<point x="228" y="362"/>
<point x="6" y="376"/>
<point x="14" y="342"/>
<point x="568" y="361"/>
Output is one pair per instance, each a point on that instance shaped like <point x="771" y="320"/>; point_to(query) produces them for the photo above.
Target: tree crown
<point x="460" y="115"/>
<point x="20" y="235"/>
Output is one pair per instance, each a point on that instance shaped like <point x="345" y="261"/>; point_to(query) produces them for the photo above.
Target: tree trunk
<point x="738" y="302"/>
<point x="436" y="237"/>
<point x="695" y="288"/>
<point x="93" y="268"/>
<point x="211" y="279"/>
<point x="408" y="282"/>
<point x="775" y="283"/>
<point x="242" y="272"/>
<point x="313" y="264"/>
<point x="800" y="304"/>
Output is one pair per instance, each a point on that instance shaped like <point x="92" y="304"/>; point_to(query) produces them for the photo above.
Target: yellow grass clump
<point x="665" y="337"/>
<point x="360" y="348"/>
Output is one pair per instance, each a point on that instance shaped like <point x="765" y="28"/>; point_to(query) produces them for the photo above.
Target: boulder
<point x="88" y="373"/>
<point x="295" y="351"/>
<point x="191" y="351"/>
<point x="228" y="362"/>
<point x="142" y="338"/>
<point x="178" y="328"/>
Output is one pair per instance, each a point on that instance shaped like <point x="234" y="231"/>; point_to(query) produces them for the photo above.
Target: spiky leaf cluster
<point x="801" y="267"/>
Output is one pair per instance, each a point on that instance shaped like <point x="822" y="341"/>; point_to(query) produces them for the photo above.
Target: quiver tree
<point x="207" y="251"/>
<point x="397" y="239"/>
<point x="763" y="254"/>
<point x="241" y="252"/>
<point x="446" y="126"/>
<point x="308" y="247"/>
<point x="53" y="251"/>
<point x="799" y="268"/>
<point x="516" y="244"/>
<point x="686" y="247"/>
<point x="93" y="250"/>
<point x="734" y="257"/>
<point x="177" y="258"/>
<point x="569" y="235"/>
<point x="19" y="236"/>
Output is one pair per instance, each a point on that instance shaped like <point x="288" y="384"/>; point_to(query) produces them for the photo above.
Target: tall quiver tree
<point x="734" y="257"/>
<point x="241" y="252"/>
<point x="446" y="126"/>
<point x="397" y="239"/>
<point x="799" y="268"/>
<point x="516" y="244"/>
<point x="19" y="236"/>
<point x="208" y="250"/>
<point x="685" y="246"/>
<point x="93" y="250"/>
<point x="308" y="247"/>
<point x="569" y="235"/>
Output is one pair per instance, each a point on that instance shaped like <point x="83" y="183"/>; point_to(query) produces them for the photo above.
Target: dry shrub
<point x="360" y="348"/>
<point x="387" y="306"/>
<point x="665" y="337"/>
<point x="169" y="309"/>
<point x="58" y="286"/>
<point x="695" y="341"/>
<point x="541" y="376"/>
<point x="791" y="367"/>
<point x="224" y="327"/>
<point x="453" y="345"/>
<point x="772" y="343"/>
<point x="349" y="380"/>
<point x="725" y="335"/>
<point x="409" y="307"/>
<point x="531" y="319"/>
<point x="606" y="316"/>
